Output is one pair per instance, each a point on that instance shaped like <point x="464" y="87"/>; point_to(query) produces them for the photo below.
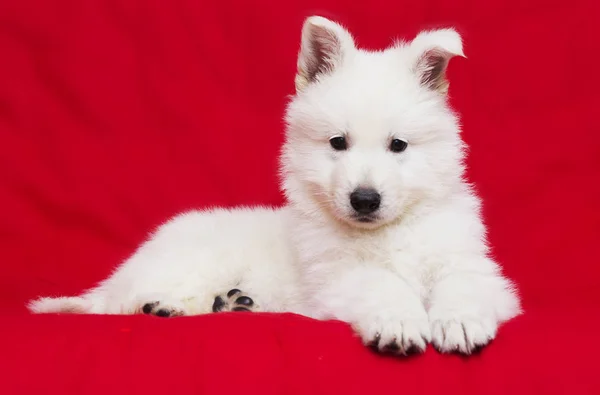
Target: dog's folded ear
<point x="432" y="50"/>
<point x="323" y="48"/>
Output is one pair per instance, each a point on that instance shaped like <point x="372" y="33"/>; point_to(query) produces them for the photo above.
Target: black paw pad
<point x="413" y="350"/>
<point x="163" y="313"/>
<point x="218" y="304"/>
<point x="391" y="347"/>
<point x="240" y="309"/>
<point x="477" y="349"/>
<point x="233" y="292"/>
<point x="148" y="307"/>
<point x="244" y="301"/>
<point x="374" y="344"/>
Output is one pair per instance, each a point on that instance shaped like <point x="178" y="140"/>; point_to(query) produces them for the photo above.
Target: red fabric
<point x="114" y="115"/>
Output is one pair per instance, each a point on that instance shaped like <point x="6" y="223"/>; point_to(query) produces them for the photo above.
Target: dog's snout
<point x="365" y="200"/>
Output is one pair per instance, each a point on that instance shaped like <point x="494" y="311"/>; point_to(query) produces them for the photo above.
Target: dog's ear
<point x="323" y="48"/>
<point x="432" y="50"/>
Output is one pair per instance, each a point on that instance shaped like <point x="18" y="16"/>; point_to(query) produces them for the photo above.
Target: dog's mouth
<point x="366" y="218"/>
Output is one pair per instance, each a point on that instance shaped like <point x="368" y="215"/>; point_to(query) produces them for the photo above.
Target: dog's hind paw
<point x="234" y="300"/>
<point x="163" y="309"/>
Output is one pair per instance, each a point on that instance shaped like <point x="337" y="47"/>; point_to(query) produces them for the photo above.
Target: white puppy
<point x="381" y="230"/>
<point x="388" y="234"/>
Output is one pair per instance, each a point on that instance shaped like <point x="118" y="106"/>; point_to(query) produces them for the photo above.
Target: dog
<point x="380" y="229"/>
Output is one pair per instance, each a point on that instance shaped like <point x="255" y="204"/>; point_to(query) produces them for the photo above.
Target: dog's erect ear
<point x="323" y="48"/>
<point x="432" y="51"/>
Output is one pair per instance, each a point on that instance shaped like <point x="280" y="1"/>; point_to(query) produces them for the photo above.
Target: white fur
<point x="193" y="258"/>
<point x="419" y="272"/>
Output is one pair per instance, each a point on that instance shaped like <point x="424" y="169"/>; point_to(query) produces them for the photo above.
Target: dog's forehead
<point x="376" y="82"/>
<point x="378" y="73"/>
<point x="376" y="99"/>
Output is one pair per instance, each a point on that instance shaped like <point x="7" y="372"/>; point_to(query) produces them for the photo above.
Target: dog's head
<point x="369" y="134"/>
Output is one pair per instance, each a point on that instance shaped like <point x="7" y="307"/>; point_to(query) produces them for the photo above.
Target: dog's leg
<point x="385" y="311"/>
<point x="466" y="309"/>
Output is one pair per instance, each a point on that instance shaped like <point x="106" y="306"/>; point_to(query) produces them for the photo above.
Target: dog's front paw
<point x="466" y="335"/>
<point x="402" y="333"/>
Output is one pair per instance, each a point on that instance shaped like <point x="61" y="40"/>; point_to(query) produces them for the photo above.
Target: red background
<point x="115" y="115"/>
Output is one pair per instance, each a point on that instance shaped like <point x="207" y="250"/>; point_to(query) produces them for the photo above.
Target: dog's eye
<point x="338" y="143"/>
<point x="398" y="145"/>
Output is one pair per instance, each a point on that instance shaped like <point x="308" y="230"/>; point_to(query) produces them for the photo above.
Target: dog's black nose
<point x="365" y="200"/>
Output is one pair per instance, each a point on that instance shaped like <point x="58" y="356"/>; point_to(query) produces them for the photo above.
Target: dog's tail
<point x="63" y="304"/>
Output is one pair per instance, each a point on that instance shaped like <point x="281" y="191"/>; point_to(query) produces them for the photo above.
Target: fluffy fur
<point x="416" y="270"/>
<point x="193" y="258"/>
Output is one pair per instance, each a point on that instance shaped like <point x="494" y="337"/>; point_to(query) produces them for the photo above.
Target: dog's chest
<point x="403" y="251"/>
<point x="396" y="250"/>
<point x="400" y="250"/>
